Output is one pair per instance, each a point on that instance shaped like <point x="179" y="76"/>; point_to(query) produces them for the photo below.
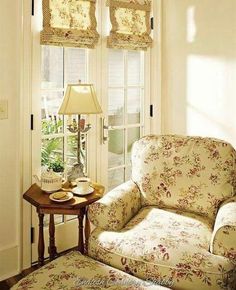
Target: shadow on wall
<point x="199" y="68"/>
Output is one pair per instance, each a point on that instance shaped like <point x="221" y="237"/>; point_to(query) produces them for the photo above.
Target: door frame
<point x="26" y="145"/>
<point x="97" y="77"/>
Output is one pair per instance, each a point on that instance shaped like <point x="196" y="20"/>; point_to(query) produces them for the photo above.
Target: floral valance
<point x="69" y="23"/>
<point x="131" y="25"/>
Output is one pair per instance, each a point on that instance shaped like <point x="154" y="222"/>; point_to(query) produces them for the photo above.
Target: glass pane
<point x="116" y="107"/>
<point x="70" y="217"/>
<point x="72" y="150"/>
<point x="133" y="135"/>
<point x="115" y="178"/>
<point x="128" y="171"/>
<point x="134" y="68"/>
<point x="134" y="106"/>
<point x="58" y="219"/>
<point x="115" y="148"/>
<point x="52" y="67"/>
<point x="51" y="122"/>
<point x="116" y="68"/>
<point x="75" y="65"/>
<point x="52" y="152"/>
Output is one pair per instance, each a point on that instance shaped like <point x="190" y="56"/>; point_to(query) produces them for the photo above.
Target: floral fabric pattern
<point x="185" y="229"/>
<point x="224" y="236"/>
<point x="130" y="24"/>
<point x="77" y="272"/>
<point x="188" y="173"/>
<point x="116" y="208"/>
<point x="167" y="245"/>
<point x="69" y="23"/>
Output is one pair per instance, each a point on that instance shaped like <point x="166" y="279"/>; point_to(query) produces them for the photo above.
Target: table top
<point x="40" y="199"/>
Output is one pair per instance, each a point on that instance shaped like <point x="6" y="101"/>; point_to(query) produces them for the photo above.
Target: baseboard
<point x="9" y="262"/>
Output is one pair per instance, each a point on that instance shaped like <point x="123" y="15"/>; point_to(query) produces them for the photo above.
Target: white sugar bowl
<point x="50" y="181"/>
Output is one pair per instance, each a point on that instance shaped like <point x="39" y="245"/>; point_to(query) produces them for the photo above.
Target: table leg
<point x="81" y="232"/>
<point x="52" y="250"/>
<point x="87" y="230"/>
<point x="41" y="240"/>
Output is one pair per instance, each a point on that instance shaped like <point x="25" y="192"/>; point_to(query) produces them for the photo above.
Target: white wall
<point x="199" y="68"/>
<point x="9" y="138"/>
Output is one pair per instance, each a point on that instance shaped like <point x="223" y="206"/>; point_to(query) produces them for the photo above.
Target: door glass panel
<point x="116" y="148"/>
<point x="125" y="110"/>
<point x="51" y="122"/>
<point x="116" y="107"/>
<point x="115" y="177"/>
<point x="116" y="68"/>
<point x="71" y="150"/>
<point x="58" y="219"/>
<point x="52" y="151"/>
<point x="75" y="65"/>
<point x="59" y="65"/>
<point x="52" y="62"/>
<point x="134" y="68"/>
<point x="132" y="136"/>
<point x="133" y="105"/>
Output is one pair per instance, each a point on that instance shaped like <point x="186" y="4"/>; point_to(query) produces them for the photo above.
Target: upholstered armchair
<point x="174" y="222"/>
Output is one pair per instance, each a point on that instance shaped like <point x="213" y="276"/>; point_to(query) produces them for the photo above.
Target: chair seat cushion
<point x="77" y="272"/>
<point x="165" y="244"/>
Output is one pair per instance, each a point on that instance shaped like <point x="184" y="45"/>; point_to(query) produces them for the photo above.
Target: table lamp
<point x="79" y="99"/>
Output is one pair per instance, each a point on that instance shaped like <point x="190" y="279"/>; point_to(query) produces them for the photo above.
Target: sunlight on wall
<point x="191" y="24"/>
<point x="210" y="107"/>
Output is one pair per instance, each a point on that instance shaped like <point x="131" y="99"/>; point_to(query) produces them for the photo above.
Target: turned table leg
<point x="81" y="232"/>
<point x="52" y="250"/>
<point x="87" y="230"/>
<point x="41" y="240"/>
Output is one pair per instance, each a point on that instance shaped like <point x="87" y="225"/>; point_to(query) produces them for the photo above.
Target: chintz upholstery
<point x="191" y="174"/>
<point x="223" y="241"/>
<point x="77" y="272"/>
<point x="176" y="219"/>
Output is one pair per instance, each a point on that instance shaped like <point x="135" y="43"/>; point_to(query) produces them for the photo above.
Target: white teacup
<point x="83" y="184"/>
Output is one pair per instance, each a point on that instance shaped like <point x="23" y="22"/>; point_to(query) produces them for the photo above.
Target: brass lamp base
<point x="78" y="168"/>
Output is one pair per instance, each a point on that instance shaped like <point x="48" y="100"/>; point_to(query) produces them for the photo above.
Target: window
<point x="125" y="111"/>
<point x="59" y="66"/>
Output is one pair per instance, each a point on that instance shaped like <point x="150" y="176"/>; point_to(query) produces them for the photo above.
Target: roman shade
<point x="69" y="23"/>
<point x="131" y="26"/>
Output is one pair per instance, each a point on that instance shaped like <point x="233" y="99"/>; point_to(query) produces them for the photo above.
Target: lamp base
<point x="76" y="171"/>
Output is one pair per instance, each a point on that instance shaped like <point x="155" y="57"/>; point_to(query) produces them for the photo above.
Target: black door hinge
<point x="152" y="23"/>
<point x="32" y="235"/>
<point x="32" y="8"/>
<point x="31" y="122"/>
<point x="151" y="110"/>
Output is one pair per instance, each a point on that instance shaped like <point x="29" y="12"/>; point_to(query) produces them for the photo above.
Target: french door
<point x="127" y="99"/>
<point x="58" y="67"/>
<point x="122" y="83"/>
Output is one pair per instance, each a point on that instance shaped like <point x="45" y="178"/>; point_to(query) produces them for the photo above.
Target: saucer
<point x="77" y="191"/>
<point x="69" y="197"/>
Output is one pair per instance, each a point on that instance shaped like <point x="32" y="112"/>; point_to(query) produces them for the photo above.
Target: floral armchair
<point x="175" y="220"/>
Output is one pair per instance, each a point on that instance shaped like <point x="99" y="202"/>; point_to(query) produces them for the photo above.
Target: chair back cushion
<point x="189" y="173"/>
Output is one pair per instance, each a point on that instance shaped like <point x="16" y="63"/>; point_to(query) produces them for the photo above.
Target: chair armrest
<point x="223" y="240"/>
<point x="116" y="208"/>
